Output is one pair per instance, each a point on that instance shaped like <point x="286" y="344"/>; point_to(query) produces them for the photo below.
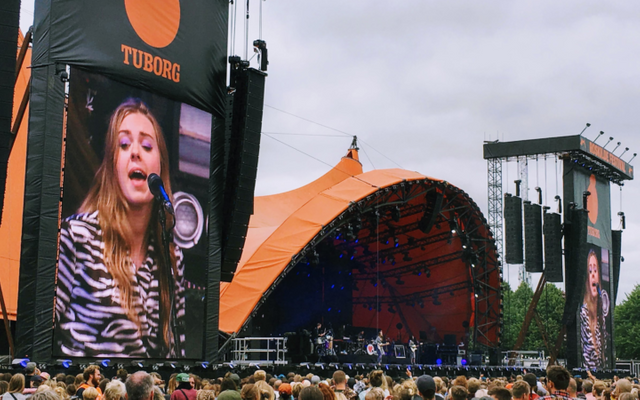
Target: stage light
<point x="625" y="150"/>
<point x="64" y="363"/>
<point x="406" y="257"/>
<point x="392" y="259"/>
<point x="137" y="363"/>
<point x="20" y="362"/>
<point x="463" y="361"/>
<point x="598" y="137"/>
<point x="396" y="242"/>
<point x="616" y="148"/>
<point x="439" y="361"/>
<point x="395" y="214"/>
<point x="105" y="363"/>
<point x="391" y="310"/>
<point x="609" y="141"/>
<point x="315" y="258"/>
<point x="436" y="302"/>
<point x="399" y="281"/>
<point x="634" y="156"/>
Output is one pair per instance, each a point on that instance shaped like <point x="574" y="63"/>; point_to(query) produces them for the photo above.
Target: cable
<point x="301" y="134"/>
<point x="367" y="155"/>
<point x="333" y="129"/>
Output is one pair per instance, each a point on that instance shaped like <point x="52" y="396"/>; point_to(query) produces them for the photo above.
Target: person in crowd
<point x="459" y="393"/>
<point x="327" y="393"/>
<point x="139" y="386"/>
<point x="90" y="393"/>
<point x="184" y="390"/>
<point x="572" y="389"/>
<point x="4" y="386"/>
<point x="592" y="326"/>
<point x="45" y="395"/>
<point x="341" y="387"/>
<point x="16" y="388"/>
<point x="115" y="390"/>
<point x="374" y="394"/>
<point x="499" y="393"/>
<point x="285" y="391"/>
<point x="426" y="387"/>
<point x="250" y="392"/>
<point x="557" y="383"/>
<point x="521" y="390"/>
<point x="622" y="386"/>
<point x="587" y="388"/>
<point x="376" y="380"/>
<point x="598" y="390"/>
<point x="129" y="280"/>
<point x="532" y="380"/>
<point x="92" y="377"/>
<point x="311" y="393"/>
<point x="266" y="391"/>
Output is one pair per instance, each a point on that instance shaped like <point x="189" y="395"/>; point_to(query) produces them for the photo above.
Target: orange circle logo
<point x="155" y="21"/>
<point x="592" y="203"/>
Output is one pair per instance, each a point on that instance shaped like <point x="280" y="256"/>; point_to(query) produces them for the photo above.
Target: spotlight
<point x="391" y="310"/>
<point x="315" y="258"/>
<point x="395" y="214"/>
<point x="616" y="148"/>
<point x="436" y="302"/>
<point x="64" y="363"/>
<point x="406" y="257"/>
<point x="399" y="281"/>
<point x="396" y="242"/>
<point x="625" y="150"/>
<point x="439" y="361"/>
<point x="137" y="363"/>
<point x="20" y="362"/>
<point x="634" y="156"/>
<point x="202" y="364"/>
<point x="105" y="363"/>
<point x="599" y="134"/>
<point x="608" y="141"/>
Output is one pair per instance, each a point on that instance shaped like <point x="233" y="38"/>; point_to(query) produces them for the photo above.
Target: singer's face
<point x="593" y="275"/>
<point x="138" y="157"/>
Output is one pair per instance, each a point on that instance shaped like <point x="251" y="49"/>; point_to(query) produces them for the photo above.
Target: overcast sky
<point x="423" y="84"/>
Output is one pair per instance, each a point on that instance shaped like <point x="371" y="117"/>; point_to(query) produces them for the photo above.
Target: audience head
<point x="572" y="389"/>
<point x="623" y="386"/>
<point x="426" y="387"/>
<point x="139" y="386"/>
<point x="311" y="393"/>
<point x="521" y="390"/>
<point x="16" y="384"/>
<point x="557" y="378"/>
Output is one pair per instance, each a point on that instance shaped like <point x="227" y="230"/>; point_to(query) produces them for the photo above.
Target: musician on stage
<point x="413" y="348"/>
<point x="319" y="332"/>
<point x="379" y="346"/>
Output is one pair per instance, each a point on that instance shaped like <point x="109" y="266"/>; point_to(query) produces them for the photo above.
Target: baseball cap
<point x="182" y="377"/>
<point x="426" y="384"/>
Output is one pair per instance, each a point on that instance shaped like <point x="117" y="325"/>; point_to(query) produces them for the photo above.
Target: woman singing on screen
<point x="592" y="327"/>
<point x="113" y="294"/>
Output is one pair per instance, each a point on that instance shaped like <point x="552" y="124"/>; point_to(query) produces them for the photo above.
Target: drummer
<point x="319" y="332"/>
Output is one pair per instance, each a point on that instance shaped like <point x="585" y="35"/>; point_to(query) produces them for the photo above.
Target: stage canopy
<point x="387" y="249"/>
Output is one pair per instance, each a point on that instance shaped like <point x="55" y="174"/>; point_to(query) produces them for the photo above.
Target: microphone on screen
<point x="156" y="187"/>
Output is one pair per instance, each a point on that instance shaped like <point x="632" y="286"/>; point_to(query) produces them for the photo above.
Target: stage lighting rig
<point x="608" y="141"/>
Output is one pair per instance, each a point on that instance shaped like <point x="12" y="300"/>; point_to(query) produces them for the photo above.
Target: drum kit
<point x="324" y="346"/>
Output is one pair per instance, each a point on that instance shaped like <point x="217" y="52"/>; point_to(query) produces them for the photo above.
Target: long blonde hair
<point x="106" y="197"/>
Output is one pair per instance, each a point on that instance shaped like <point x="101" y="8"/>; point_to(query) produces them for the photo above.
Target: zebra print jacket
<point x="90" y="320"/>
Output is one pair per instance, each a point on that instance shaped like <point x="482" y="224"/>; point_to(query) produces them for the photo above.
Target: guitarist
<point x="380" y="346"/>
<point x="413" y="347"/>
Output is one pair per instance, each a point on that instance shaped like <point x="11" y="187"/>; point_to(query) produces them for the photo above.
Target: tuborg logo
<point x="155" y="21"/>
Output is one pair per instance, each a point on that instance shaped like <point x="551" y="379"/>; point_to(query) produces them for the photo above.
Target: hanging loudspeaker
<point x="513" y="229"/>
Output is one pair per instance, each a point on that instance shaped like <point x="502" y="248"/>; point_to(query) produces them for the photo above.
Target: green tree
<point x="549" y="308"/>
<point x="626" y="326"/>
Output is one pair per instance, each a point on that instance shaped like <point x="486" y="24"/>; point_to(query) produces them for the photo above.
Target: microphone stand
<point x="166" y="241"/>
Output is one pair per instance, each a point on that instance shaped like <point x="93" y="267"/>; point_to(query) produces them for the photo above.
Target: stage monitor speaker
<point x="476" y="358"/>
<point x="616" y="249"/>
<point x="513" y="253"/>
<point x="9" y="21"/>
<point x="552" y="247"/>
<point x="428" y="354"/>
<point x="242" y="166"/>
<point x="532" y="237"/>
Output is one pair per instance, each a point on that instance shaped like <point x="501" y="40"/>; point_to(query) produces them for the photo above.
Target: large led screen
<point x="125" y="289"/>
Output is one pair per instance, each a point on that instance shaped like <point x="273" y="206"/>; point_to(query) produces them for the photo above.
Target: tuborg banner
<point x="175" y="48"/>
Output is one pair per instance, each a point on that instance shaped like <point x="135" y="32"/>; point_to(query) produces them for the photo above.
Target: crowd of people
<point x="558" y="384"/>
